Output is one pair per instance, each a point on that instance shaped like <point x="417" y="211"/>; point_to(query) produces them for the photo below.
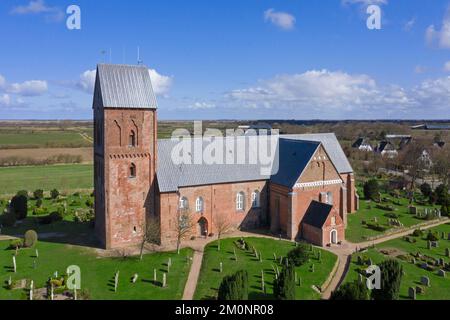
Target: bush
<point x="376" y="226"/>
<point x="432" y="236"/>
<point x="371" y="189"/>
<point x="19" y="203"/>
<point x="83" y="215"/>
<point x="38" y="194"/>
<point x="299" y="255"/>
<point x="90" y="203"/>
<point x="22" y="193"/>
<point x="426" y="190"/>
<point x="385" y="207"/>
<point x="30" y="238"/>
<point x="441" y="194"/>
<point x="54" y="193"/>
<point x="351" y="291"/>
<point x="284" y="286"/>
<point x="39" y="203"/>
<point x="39" y="211"/>
<point x="8" y="219"/>
<point x="15" y="244"/>
<point x="52" y="217"/>
<point x="391" y="277"/>
<point x="234" y="287"/>
<point x="417" y="233"/>
<point x="392" y="215"/>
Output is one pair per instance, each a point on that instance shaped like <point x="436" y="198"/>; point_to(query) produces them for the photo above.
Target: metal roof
<point x="124" y="86"/>
<point x="317" y="213"/>
<point x="294" y="151"/>
<point x="331" y="145"/>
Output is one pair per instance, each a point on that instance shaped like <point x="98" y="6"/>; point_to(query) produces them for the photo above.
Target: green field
<point x="39" y="139"/>
<point x="210" y="277"/>
<point x="440" y="287"/>
<point x="97" y="274"/>
<point x="357" y="232"/>
<point x="62" y="177"/>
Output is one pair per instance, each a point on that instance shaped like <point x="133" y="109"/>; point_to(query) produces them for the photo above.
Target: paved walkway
<point x="345" y="251"/>
<point x="194" y="273"/>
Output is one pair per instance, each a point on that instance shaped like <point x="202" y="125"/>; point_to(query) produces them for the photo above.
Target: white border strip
<point x="317" y="183"/>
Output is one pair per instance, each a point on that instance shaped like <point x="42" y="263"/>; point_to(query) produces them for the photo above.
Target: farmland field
<point x="30" y="139"/>
<point x="62" y="177"/>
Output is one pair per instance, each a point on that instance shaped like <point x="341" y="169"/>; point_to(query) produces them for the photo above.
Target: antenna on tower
<point x="139" y="61"/>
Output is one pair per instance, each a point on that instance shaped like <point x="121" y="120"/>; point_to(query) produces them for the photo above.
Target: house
<point x="306" y="194"/>
<point x="386" y="149"/>
<point x="437" y="126"/>
<point x="362" y="144"/>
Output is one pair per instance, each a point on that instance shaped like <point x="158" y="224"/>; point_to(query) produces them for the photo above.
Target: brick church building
<point x="136" y="179"/>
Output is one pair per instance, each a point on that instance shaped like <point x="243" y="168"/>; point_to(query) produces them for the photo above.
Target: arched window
<point x="132" y="139"/>
<point x="199" y="204"/>
<point x="132" y="170"/>
<point x="255" y="199"/>
<point x="240" y="205"/>
<point x="329" y="197"/>
<point x="184" y="204"/>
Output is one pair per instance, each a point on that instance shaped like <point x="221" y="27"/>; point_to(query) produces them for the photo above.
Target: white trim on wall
<point x="318" y="183"/>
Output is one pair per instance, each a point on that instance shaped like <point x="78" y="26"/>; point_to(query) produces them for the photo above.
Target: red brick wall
<point x="122" y="202"/>
<point x="219" y="205"/>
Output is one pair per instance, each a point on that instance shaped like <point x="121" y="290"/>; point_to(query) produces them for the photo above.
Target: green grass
<point x="61" y="177"/>
<point x="210" y="277"/>
<point x="97" y="274"/>
<point x="440" y="287"/>
<point x="357" y="232"/>
<point x="42" y="139"/>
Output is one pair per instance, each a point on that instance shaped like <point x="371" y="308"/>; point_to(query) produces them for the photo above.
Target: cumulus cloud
<point x="283" y="20"/>
<point x="39" y="7"/>
<point x="2" y="81"/>
<point x="447" y="66"/>
<point x="324" y="92"/>
<point x="440" y="37"/>
<point x="5" y="100"/>
<point x="161" y="84"/>
<point x="29" y="88"/>
<point x="87" y="81"/>
<point x="202" y="105"/>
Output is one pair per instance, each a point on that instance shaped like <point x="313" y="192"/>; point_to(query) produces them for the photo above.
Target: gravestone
<point x="274" y="257"/>
<point x="424" y="265"/>
<point x="429" y="245"/>
<point x="419" y="290"/>
<point x="441" y="262"/>
<point x="262" y="280"/>
<point x="425" y="281"/>
<point x="413" y="260"/>
<point x="220" y="267"/>
<point x="441" y="273"/>
<point x="412" y="210"/>
<point x="443" y="235"/>
<point x="37" y="253"/>
<point x="154" y="275"/>
<point x="435" y="244"/>
<point x="360" y="278"/>
<point x="14" y="264"/>
<point x="295" y="277"/>
<point x="75" y="292"/>
<point x="164" y="283"/>
<point x="116" y="281"/>
<point x="447" y="252"/>
<point x="412" y="293"/>
<point x="135" y="277"/>
<point x="260" y="257"/>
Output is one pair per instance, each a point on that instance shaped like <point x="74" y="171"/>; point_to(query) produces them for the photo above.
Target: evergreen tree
<point x="19" y="204"/>
<point x="284" y="286"/>
<point x="234" y="287"/>
<point x="391" y="277"/>
<point x="371" y="189"/>
<point x="351" y="291"/>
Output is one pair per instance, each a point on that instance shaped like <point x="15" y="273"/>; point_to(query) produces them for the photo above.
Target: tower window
<point x="132" y="139"/>
<point x="133" y="171"/>
<point x="240" y="201"/>
<point x="255" y="199"/>
<point x="199" y="204"/>
<point x="184" y="204"/>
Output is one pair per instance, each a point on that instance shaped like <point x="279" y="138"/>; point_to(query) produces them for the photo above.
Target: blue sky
<point x="247" y="59"/>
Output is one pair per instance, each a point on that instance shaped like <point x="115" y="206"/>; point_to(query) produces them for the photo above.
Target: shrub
<point x="385" y="207"/>
<point x="30" y="238"/>
<point x="19" y="203"/>
<point x="426" y="190"/>
<point x="284" y="286"/>
<point x="234" y="287"/>
<point x="39" y="203"/>
<point x="54" y="193"/>
<point x="392" y="215"/>
<point x="22" y="193"/>
<point x="417" y="233"/>
<point x="351" y="291"/>
<point x="376" y="226"/>
<point x="39" y="211"/>
<point x="90" y="203"/>
<point x="441" y="194"/>
<point x="38" y="194"/>
<point x="371" y="189"/>
<point x="15" y="244"/>
<point x="432" y="236"/>
<point x="299" y="255"/>
<point x="391" y="276"/>
<point x="84" y="215"/>
<point x="52" y="217"/>
<point x="8" y="219"/>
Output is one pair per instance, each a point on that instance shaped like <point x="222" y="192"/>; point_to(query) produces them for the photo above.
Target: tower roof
<point x="123" y="86"/>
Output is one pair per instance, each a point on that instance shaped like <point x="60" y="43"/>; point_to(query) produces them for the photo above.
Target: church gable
<point x="320" y="170"/>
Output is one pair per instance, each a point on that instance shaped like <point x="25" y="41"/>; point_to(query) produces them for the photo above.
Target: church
<point x="136" y="179"/>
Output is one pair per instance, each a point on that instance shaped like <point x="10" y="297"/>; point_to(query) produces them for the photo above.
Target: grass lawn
<point x="440" y="287"/>
<point x="97" y="274"/>
<point x="357" y="232"/>
<point x="42" y="139"/>
<point x="61" y="177"/>
<point x="210" y="277"/>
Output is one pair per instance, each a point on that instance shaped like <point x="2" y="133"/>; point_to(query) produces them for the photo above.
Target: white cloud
<point x="160" y="83"/>
<point x="364" y="2"/>
<point x="28" y="88"/>
<point x="2" y="81"/>
<point x="5" y="100"/>
<point x="447" y="66"/>
<point x="199" y="105"/>
<point x="87" y="81"/>
<point x="39" y="7"/>
<point x="282" y="20"/>
<point x="409" y="24"/>
<point x="440" y="37"/>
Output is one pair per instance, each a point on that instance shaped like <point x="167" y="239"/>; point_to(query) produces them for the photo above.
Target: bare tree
<point x="184" y="225"/>
<point x="223" y="226"/>
<point x="151" y="234"/>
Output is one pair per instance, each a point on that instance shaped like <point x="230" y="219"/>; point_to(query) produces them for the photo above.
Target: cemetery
<point x="392" y="211"/>
<point x="263" y="259"/>
<point x="424" y="256"/>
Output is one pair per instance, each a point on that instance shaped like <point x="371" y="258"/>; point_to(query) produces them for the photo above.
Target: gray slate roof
<point x="125" y="86"/>
<point x="317" y="213"/>
<point x="295" y="152"/>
